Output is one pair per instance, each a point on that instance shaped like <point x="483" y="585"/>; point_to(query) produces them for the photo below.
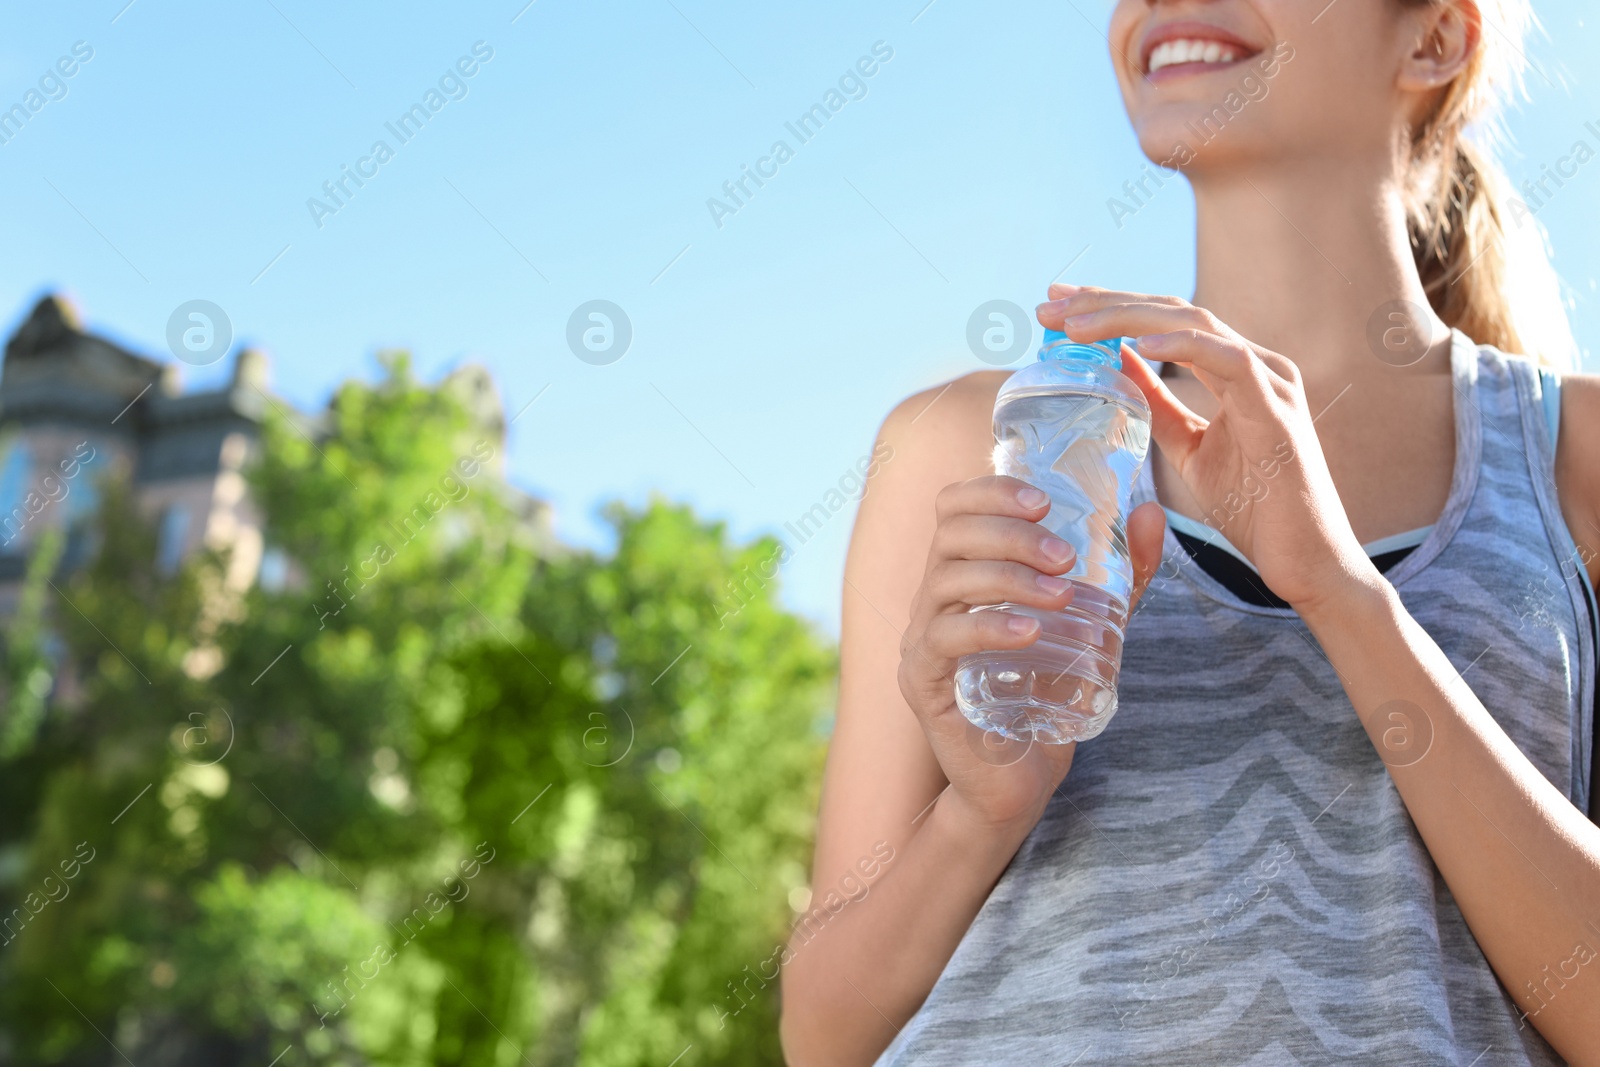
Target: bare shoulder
<point x="1580" y="397"/>
<point x="1578" y="465"/>
<point x="948" y="427"/>
<point x="881" y="771"/>
<point x="928" y="441"/>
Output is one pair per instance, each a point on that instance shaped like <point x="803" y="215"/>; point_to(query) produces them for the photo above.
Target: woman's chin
<point x="1170" y="142"/>
<point x="1181" y="137"/>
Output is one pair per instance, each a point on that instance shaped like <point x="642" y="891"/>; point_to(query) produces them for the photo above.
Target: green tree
<point x="449" y="796"/>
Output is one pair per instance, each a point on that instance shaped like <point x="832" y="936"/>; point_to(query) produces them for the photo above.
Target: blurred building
<point x="76" y="408"/>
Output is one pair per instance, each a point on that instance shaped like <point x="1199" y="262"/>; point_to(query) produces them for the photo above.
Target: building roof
<point x="55" y="372"/>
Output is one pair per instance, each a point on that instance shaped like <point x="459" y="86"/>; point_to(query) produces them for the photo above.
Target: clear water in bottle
<point x="1075" y="427"/>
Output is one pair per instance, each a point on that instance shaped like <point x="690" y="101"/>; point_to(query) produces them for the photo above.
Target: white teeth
<point x="1190" y="50"/>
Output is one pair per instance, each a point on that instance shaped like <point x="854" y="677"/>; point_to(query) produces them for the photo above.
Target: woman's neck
<point x="1307" y="264"/>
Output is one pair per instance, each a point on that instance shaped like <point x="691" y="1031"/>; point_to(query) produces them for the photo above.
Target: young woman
<point x="1340" y="814"/>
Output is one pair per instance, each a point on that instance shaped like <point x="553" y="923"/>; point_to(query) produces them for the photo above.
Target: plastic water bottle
<point x="1074" y="426"/>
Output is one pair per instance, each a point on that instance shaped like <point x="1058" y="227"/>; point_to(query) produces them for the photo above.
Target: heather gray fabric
<point x="1228" y="876"/>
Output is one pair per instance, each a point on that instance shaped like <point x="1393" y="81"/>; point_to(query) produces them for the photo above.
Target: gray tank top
<point x="1228" y="876"/>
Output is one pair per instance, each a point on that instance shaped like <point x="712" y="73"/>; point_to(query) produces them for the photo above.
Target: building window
<point x="15" y="471"/>
<point x="82" y="505"/>
<point x="83" y="484"/>
<point x="171" y="538"/>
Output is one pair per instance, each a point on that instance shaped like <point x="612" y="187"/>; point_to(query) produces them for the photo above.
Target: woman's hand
<point x="1256" y="468"/>
<point x="988" y="548"/>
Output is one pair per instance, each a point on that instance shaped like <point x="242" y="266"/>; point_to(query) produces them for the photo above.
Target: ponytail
<point x="1482" y="257"/>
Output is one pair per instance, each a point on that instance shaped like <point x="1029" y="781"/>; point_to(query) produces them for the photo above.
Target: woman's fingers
<point x="957" y="583"/>
<point x="1147" y="527"/>
<point x="1181" y="334"/>
<point x="1071" y="300"/>
<point x="995" y="537"/>
<point x="1166" y="327"/>
<point x="988" y="548"/>
<point x="950" y="631"/>
<point x="1176" y="429"/>
<point x="1224" y="358"/>
<point x="953" y="636"/>
<point x="995" y="494"/>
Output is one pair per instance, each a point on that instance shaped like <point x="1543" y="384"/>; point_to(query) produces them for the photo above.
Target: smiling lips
<point x="1192" y="47"/>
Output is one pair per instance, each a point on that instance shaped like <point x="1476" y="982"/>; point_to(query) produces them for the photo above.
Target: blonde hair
<point x="1492" y="281"/>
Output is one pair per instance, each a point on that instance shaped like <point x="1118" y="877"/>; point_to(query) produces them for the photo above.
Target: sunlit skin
<point x="1301" y="236"/>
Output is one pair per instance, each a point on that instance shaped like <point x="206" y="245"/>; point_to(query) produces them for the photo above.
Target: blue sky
<point x="575" y="165"/>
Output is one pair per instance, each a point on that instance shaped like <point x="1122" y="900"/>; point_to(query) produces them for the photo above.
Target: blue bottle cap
<point x="1107" y="353"/>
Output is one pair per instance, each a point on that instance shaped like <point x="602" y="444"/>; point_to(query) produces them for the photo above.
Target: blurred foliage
<point x="445" y="797"/>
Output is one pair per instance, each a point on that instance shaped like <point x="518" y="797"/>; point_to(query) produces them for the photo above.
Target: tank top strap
<point x="1531" y="396"/>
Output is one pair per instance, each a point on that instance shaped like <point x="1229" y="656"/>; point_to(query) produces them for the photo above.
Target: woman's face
<point x="1251" y="82"/>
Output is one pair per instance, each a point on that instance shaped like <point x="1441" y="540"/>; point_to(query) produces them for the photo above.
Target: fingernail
<point x="1021" y="625"/>
<point x="1064" y="288"/>
<point x="1052" y="585"/>
<point x="1145" y="344"/>
<point x="1080" y="320"/>
<point x="1055" y="550"/>
<point x="1031" y="498"/>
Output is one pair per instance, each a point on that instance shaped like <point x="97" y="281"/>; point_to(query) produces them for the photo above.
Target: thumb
<point x="1175" y="428"/>
<point x="1147" y="526"/>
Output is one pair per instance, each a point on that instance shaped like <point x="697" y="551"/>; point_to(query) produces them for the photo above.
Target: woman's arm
<point x="921" y="812"/>
<point x="855" y="975"/>
<point x="853" y="978"/>
<point x="1521" y="861"/>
